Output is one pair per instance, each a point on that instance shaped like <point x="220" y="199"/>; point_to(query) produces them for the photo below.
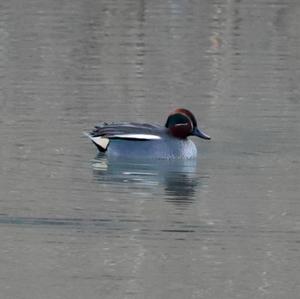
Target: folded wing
<point x="103" y="133"/>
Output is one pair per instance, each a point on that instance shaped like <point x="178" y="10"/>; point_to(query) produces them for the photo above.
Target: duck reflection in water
<point x="177" y="178"/>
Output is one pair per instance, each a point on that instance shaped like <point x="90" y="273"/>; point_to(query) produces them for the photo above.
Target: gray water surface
<point x="76" y="225"/>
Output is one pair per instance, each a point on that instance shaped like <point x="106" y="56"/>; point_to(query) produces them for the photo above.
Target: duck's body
<point x="135" y="140"/>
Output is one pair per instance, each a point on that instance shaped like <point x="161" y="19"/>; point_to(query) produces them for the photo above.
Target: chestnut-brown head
<point x="182" y="123"/>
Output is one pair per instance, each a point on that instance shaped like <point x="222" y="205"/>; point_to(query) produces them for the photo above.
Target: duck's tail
<point x="101" y="142"/>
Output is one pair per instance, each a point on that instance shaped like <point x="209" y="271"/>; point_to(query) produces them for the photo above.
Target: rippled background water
<point x="73" y="225"/>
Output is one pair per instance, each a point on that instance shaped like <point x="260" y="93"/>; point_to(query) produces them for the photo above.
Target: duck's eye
<point x="177" y="119"/>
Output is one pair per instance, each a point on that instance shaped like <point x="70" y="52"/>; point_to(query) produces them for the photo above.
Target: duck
<point x="143" y="140"/>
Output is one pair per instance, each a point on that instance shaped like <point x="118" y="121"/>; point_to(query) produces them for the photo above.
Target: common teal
<point x="141" y="140"/>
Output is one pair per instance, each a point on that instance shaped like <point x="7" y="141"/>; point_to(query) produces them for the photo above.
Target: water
<point x="74" y="225"/>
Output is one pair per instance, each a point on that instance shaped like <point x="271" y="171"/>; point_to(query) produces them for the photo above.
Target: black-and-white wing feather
<point x="103" y="133"/>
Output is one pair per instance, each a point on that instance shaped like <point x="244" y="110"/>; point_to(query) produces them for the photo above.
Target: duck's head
<point x="182" y="123"/>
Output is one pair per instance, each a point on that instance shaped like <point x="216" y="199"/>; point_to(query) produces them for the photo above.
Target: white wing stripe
<point x="138" y="136"/>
